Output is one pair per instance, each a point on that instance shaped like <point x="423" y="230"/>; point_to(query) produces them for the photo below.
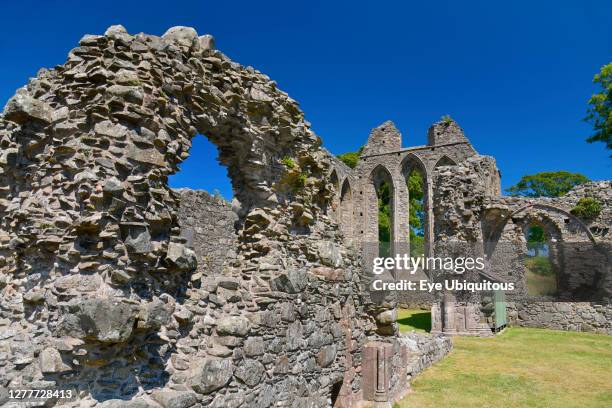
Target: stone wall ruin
<point x="471" y="216"/>
<point x="104" y="288"/>
<point x="112" y="284"/>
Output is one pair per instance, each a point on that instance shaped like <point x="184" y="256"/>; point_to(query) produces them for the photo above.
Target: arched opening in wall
<point x="345" y="209"/>
<point x="418" y="208"/>
<point x="383" y="185"/>
<point x="203" y="171"/>
<point x="445" y="161"/>
<point x="541" y="260"/>
<point x="206" y="214"/>
<point x="333" y="179"/>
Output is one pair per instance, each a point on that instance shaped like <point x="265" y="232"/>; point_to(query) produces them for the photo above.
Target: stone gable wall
<point x="101" y="290"/>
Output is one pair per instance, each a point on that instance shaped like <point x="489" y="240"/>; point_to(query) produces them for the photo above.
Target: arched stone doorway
<point x="543" y="258"/>
<point x="381" y="205"/>
<point x="420" y="214"/>
<point x="346" y="215"/>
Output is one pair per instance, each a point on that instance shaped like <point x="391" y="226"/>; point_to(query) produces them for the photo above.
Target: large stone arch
<point x="554" y="238"/>
<point x="410" y="163"/>
<point x="445" y="161"/>
<point x="379" y="174"/>
<point x="90" y="243"/>
<point x="575" y="254"/>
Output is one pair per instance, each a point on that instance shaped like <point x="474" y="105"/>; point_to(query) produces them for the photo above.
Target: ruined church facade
<point x="464" y="213"/>
<point x="134" y="295"/>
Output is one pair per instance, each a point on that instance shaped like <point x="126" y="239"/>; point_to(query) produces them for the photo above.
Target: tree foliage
<point x="351" y="158"/>
<point x="416" y="215"/>
<point x="384" y="218"/>
<point x="599" y="113"/>
<point x="547" y="184"/>
<point x="536" y="239"/>
<point x="587" y="208"/>
<point x="536" y="235"/>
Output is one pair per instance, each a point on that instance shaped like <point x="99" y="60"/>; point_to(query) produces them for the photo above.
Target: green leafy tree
<point x="416" y="215"/>
<point x="536" y="239"/>
<point x="587" y="208"/>
<point x="384" y="218"/>
<point x="599" y="113"/>
<point x="351" y="158"/>
<point x="547" y="184"/>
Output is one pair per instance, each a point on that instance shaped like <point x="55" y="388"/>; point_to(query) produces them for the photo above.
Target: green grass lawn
<point x="540" y="285"/>
<point x="518" y="368"/>
<point x="417" y="320"/>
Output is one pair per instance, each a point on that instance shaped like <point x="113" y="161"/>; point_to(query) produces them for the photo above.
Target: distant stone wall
<point x="467" y="210"/>
<point x="576" y="316"/>
<point x="209" y="225"/>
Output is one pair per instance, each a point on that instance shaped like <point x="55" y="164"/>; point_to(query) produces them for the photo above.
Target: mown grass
<point x="518" y="368"/>
<point x="540" y="285"/>
<point x="417" y="320"/>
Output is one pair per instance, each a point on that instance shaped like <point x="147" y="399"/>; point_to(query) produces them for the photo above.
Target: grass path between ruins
<point x="519" y="368"/>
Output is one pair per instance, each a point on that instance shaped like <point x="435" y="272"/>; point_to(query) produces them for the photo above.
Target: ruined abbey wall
<point x="137" y="295"/>
<point x="580" y="250"/>
<point x="465" y="215"/>
<point x="385" y="160"/>
<point x="118" y="287"/>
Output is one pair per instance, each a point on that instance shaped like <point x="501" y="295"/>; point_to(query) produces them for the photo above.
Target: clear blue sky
<point x="515" y="75"/>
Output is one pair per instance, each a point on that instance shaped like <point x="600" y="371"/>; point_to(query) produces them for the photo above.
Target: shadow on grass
<point x="418" y="321"/>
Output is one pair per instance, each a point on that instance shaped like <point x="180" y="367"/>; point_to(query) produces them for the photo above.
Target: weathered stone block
<point x="181" y="257"/>
<point x="253" y="346"/>
<point x="329" y="253"/>
<point x="184" y="37"/>
<point x="250" y="372"/>
<point x="51" y="362"/>
<point x="326" y="355"/>
<point x="233" y="326"/>
<point x="138" y="239"/>
<point x="154" y="314"/>
<point x="291" y="282"/>
<point x="175" y="399"/>
<point x="210" y="375"/>
<point x="23" y="107"/>
<point x="100" y="319"/>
